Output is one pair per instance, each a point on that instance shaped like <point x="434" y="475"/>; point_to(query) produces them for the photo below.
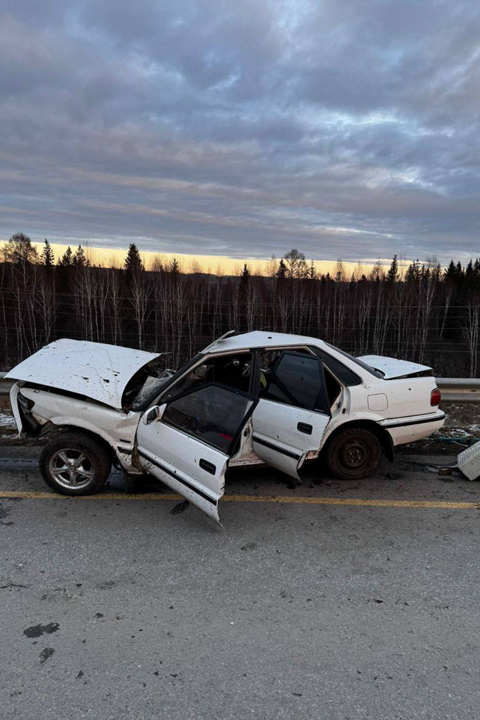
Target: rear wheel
<point x="353" y="454"/>
<point x="75" y="464"/>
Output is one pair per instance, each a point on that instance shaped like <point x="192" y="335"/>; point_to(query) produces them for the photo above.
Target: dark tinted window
<point x="342" y="372"/>
<point x="359" y="362"/>
<point x="212" y="414"/>
<point x="296" y="380"/>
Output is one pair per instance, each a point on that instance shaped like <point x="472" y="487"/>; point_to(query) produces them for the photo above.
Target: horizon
<point x="224" y="265"/>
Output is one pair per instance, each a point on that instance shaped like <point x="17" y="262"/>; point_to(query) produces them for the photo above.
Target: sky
<point x="345" y="128"/>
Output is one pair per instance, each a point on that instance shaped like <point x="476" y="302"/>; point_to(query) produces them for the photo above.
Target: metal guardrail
<point x="453" y="389"/>
<point x="5" y="385"/>
<point x="459" y="389"/>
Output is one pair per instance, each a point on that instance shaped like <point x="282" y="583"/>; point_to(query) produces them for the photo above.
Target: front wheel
<point x="75" y="464"/>
<point x="353" y="454"/>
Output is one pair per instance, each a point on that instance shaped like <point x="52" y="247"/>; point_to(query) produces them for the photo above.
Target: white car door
<point x="292" y="413"/>
<point x="187" y="442"/>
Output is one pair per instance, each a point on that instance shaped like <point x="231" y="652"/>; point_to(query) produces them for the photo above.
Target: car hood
<point x="393" y="368"/>
<point x="94" y="370"/>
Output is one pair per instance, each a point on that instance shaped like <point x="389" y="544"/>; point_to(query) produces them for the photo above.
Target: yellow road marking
<point x="434" y="504"/>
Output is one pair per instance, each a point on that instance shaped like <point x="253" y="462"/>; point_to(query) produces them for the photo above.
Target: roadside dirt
<point x="461" y="429"/>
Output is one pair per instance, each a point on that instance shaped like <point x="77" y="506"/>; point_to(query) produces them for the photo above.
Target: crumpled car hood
<point x="393" y="368"/>
<point x="95" y="370"/>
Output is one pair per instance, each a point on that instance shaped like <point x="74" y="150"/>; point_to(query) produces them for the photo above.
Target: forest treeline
<point x="426" y="314"/>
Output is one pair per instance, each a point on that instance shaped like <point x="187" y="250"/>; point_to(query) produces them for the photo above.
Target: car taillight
<point x="435" y="397"/>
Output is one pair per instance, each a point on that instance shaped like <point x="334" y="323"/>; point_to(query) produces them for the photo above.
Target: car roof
<point x="260" y="339"/>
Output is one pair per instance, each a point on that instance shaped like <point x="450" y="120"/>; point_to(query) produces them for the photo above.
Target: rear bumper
<point x="409" y="429"/>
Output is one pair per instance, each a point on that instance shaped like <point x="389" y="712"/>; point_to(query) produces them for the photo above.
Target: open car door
<point x="187" y="442"/>
<point x="292" y="413"/>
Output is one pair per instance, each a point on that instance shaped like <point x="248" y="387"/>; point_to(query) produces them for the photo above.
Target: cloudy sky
<point x="346" y="128"/>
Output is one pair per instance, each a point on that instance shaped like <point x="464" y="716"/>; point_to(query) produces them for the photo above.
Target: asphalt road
<point x="115" y="608"/>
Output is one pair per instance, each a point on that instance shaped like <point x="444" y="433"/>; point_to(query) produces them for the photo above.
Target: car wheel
<point x="75" y="464"/>
<point x="353" y="454"/>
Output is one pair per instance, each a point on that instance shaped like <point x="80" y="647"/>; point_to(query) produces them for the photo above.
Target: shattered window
<point x="233" y="371"/>
<point x="212" y="414"/>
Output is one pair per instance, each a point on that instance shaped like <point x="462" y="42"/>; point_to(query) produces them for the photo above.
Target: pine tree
<point x="174" y="267"/>
<point x="449" y="273"/>
<point x="67" y="258"/>
<point x="47" y="257"/>
<point x="413" y="272"/>
<point x="392" y="275"/>
<point x="79" y="259"/>
<point x="244" y="281"/>
<point x="312" y="272"/>
<point x="133" y="261"/>
<point x="282" y="270"/>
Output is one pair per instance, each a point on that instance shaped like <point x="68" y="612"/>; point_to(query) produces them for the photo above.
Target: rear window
<point x="357" y="361"/>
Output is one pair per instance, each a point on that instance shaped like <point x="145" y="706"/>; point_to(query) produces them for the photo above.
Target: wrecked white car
<point x="254" y="398"/>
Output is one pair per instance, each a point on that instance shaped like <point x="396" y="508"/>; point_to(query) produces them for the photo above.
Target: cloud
<point x="346" y="130"/>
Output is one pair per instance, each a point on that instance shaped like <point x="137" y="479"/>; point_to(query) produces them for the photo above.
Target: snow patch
<point x="7" y="421"/>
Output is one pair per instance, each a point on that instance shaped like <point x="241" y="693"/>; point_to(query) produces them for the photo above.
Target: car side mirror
<point x="154" y="413"/>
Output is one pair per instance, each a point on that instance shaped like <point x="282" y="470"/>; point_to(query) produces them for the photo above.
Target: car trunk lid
<point x="393" y="368"/>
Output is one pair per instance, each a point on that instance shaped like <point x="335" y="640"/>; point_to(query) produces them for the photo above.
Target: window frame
<point x="322" y="395"/>
<point x="190" y="366"/>
<point x="239" y="431"/>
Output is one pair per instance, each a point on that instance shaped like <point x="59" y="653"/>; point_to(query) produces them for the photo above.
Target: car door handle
<point x="208" y="466"/>
<point x="305" y="428"/>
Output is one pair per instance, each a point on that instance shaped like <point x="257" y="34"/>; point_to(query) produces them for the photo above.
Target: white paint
<point x="393" y="368"/>
<point x="116" y="428"/>
<point x="377" y="402"/>
<point x="180" y="455"/>
<point x="276" y="424"/>
<point x="95" y="370"/>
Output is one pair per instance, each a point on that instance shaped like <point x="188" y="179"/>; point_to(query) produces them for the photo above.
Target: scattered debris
<point x="469" y="462"/>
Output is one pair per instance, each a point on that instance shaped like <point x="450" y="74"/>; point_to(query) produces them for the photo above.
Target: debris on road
<point x="469" y="461"/>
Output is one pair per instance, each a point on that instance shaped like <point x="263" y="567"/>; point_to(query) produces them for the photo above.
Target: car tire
<point x="75" y="464"/>
<point x="353" y="454"/>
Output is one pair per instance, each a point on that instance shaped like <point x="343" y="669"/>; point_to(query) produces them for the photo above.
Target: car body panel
<point x="193" y="465"/>
<point x="277" y="440"/>
<point x="178" y="466"/>
<point x="406" y="397"/>
<point x="118" y="429"/>
<point x="393" y="368"/>
<point x="412" y="428"/>
<point x="93" y="370"/>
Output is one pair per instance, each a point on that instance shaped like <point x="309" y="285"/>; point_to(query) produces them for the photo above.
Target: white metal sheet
<point x="95" y="370"/>
<point x="469" y="461"/>
<point x="391" y="367"/>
